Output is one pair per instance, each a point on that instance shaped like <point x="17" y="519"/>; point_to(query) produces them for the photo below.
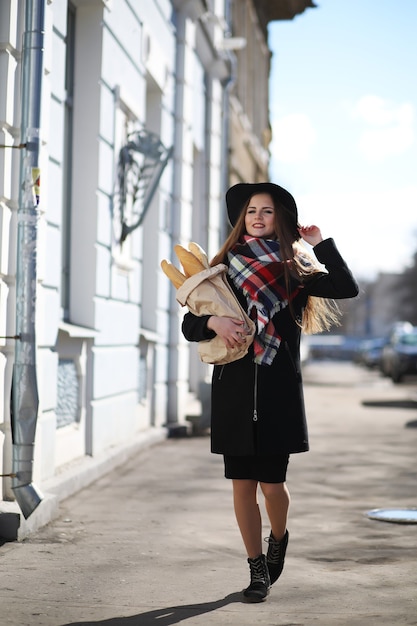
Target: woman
<point x="257" y="415"/>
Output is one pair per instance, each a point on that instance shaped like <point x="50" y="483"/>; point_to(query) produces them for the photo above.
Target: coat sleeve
<point x="338" y="282"/>
<point x="194" y="328"/>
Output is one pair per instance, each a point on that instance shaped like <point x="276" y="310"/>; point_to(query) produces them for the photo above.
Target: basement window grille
<point x="68" y="408"/>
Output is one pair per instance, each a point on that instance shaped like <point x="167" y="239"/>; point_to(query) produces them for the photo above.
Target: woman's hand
<point x="230" y="330"/>
<point x="311" y="234"/>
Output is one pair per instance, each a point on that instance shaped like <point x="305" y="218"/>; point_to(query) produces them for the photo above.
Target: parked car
<point x="392" y="337"/>
<point x="370" y="352"/>
<point x="333" y="347"/>
<point x="399" y="357"/>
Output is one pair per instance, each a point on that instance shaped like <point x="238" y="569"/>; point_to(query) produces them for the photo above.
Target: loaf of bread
<point x="175" y="276"/>
<point x="189" y="262"/>
<point x="199" y="253"/>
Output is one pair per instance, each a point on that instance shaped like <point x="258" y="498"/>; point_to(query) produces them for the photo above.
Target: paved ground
<point x="155" y="541"/>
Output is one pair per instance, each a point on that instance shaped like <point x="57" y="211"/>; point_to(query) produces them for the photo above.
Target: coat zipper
<point x="255" y="395"/>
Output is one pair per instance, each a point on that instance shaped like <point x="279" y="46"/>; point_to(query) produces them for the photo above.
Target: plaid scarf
<point x="256" y="268"/>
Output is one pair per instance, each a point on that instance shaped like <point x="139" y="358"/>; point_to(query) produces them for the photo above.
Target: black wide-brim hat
<point x="238" y="195"/>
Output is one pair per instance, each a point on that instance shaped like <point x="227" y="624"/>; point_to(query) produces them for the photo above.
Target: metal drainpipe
<point x="228" y="85"/>
<point x="24" y="400"/>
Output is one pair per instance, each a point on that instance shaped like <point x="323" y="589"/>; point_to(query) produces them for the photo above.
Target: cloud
<point x="360" y="223"/>
<point x="390" y="128"/>
<point x="292" y="138"/>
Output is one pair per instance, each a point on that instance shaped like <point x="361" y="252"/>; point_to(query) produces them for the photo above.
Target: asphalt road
<point x="155" y="542"/>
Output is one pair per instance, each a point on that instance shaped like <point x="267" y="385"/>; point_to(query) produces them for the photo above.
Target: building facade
<point x="146" y="115"/>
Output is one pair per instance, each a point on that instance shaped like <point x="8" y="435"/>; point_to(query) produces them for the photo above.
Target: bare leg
<point x="277" y="503"/>
<point x="248" y="515"/>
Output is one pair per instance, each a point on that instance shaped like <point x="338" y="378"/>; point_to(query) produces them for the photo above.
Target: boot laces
<point x="274" y="550"/>
<point x="257" y="570"/>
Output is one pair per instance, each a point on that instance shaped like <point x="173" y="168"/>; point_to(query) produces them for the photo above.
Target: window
<point x="123" y="206"/>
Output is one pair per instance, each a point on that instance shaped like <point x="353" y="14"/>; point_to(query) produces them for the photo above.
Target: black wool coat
<point x="259" y="409"/>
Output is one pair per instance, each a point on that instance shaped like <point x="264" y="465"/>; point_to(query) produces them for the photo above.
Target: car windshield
<point x="410" y="339"/>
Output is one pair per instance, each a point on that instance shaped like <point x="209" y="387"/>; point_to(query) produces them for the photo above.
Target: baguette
<point x="176" y="277"/>
<point x="190" y="263"/>
<point x="199" y="253"/>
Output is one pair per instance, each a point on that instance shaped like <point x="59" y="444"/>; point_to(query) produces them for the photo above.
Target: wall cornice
<point x="272" y="10"/>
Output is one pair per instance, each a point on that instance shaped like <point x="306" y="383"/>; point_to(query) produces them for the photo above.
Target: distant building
<point x="375" y="311"/>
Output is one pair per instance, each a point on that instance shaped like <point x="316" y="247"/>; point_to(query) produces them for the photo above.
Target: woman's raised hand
<point x="311" y="234"/>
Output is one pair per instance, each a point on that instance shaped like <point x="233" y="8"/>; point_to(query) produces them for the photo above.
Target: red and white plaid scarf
<point x="255" y="266"/>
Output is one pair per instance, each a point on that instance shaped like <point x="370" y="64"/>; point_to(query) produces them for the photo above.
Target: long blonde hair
<point x="319" y="313"/>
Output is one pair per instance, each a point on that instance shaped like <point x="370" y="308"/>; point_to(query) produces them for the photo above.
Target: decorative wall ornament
<point x="141" y="163"/>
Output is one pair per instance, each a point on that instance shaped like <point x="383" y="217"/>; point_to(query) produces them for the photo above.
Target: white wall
<point x="134" y="68"/>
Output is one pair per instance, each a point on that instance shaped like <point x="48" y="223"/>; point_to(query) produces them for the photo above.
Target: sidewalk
<point x="155" y="542"/>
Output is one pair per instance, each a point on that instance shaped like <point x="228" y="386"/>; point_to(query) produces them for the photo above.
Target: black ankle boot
<point x="276" y="555"/>
<point x="259" y="580"/>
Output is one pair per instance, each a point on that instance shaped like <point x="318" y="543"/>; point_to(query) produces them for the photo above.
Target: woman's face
<point x="260" y="216"/>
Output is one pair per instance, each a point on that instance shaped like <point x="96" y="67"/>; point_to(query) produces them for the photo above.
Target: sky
<point x="343" y="108"/>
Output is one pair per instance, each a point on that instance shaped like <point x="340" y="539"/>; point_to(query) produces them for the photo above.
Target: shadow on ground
<point x="391" y="404"/>
<point x="394" y="404"/>
<point x="167" y="616"/>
